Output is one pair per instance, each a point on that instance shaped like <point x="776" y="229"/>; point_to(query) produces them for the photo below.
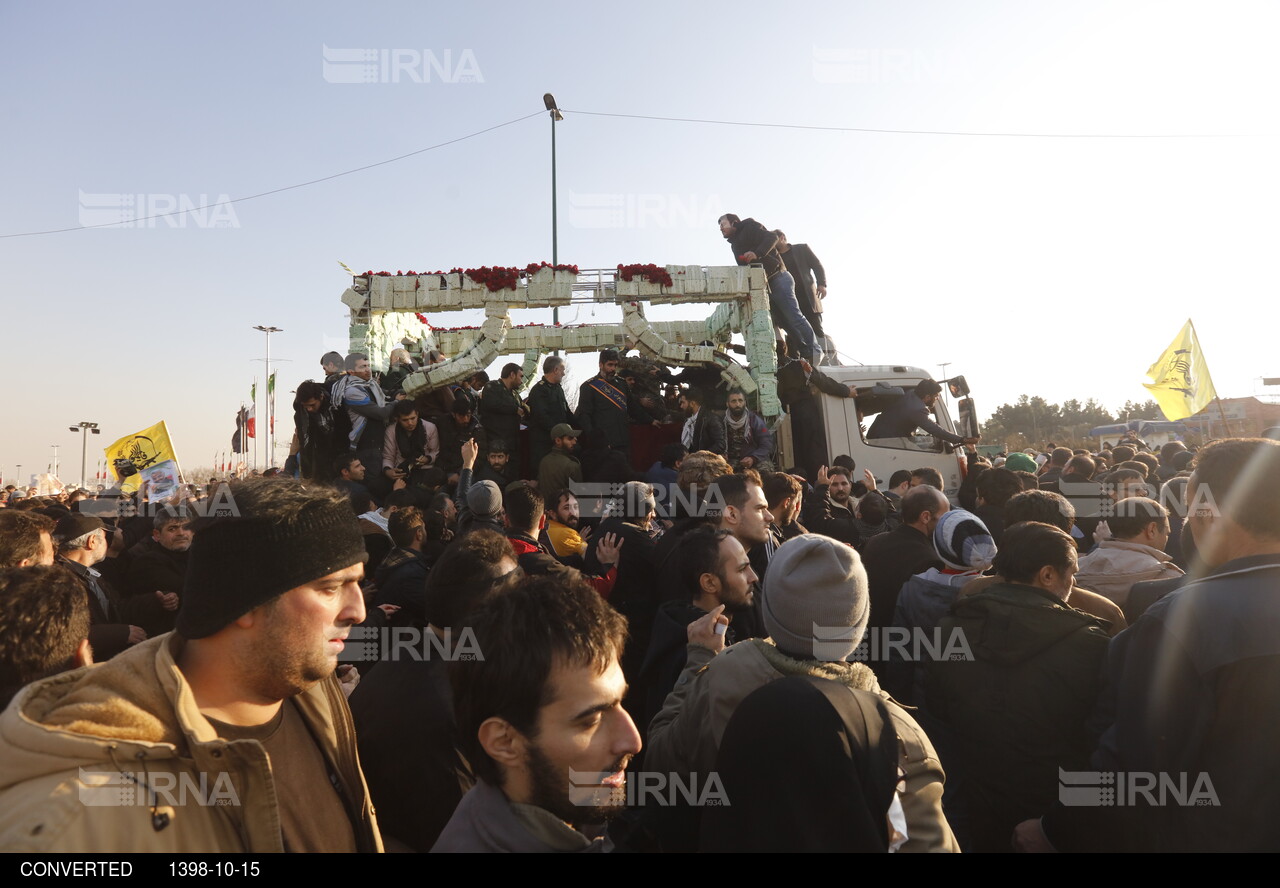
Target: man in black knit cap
<point x="230" y="734"/>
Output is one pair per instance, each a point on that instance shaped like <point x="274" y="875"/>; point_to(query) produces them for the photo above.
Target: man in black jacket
<point x="82" y="543"/>
<point x="910" y="412"/>
<point x="605" y="402"/>
<point x="501" y="409"/>
<point x="703" y="429"/>
<point x="798" y="387"/>
<point x="406" y="703"/>
<point x="158" y="574"/>
<point x="455" y="430"/>
<point x="401" y="577"/>
<point x="714" y="571"/>
<point x="753" y="243"/>
<point x="811" y="289"/>
<point x="1190" y="686"/>
<point x="548" y="408"/>
<point x="893" y="558"/>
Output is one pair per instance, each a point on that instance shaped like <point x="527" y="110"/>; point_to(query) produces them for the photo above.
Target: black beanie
<point x="237" y="564"/>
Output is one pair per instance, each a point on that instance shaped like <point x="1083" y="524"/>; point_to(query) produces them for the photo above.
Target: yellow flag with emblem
<point x="148" y="456"/>
<point x="1180" y="380"/>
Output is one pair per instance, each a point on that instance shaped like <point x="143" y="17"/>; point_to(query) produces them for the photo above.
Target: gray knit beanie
<point x="816" y="602"/>
<point x="484" y="499"/>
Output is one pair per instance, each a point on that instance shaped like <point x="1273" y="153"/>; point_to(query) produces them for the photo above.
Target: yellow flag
<point x="1180" y="378"/>
<point x="151" y="454"/>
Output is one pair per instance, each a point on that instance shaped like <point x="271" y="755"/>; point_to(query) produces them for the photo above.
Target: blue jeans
<point x="786" y="314"/>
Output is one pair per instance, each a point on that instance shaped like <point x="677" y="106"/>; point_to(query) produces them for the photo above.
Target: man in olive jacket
<point x="1014" y="706"/>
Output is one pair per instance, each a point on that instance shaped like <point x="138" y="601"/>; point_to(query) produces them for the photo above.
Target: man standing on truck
<point x="811" y="289"/>
<point x="911" y="412"/>
<point x="752" y="242"/>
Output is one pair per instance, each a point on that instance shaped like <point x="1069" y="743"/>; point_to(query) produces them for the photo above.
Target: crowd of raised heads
<point x="507" y="625"/>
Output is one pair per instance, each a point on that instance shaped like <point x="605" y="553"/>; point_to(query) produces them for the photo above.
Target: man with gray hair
<point x="816" y="607"/>
<point x="82" y="544"/>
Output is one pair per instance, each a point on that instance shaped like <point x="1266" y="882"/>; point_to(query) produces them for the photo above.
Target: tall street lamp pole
<point x="85" y="429"/>
<point x="550" y="102"/>
<point x="271" y="455"/>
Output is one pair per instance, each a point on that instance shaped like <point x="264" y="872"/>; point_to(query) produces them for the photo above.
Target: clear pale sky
<point x="1052" y="266"/>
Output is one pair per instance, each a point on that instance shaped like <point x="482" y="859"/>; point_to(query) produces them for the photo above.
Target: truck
<point x="845" y="421"/>
<point x="388" y="311"/>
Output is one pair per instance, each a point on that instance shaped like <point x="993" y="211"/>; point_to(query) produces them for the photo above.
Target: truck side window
<point x="870" y="404"/>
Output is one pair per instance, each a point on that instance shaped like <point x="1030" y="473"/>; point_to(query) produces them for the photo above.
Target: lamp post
<point x="85" y="429"/>
<point x="550" y="102"/>
<point x="271" y="456"/>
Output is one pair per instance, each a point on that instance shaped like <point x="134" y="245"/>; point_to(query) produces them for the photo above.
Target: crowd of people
<point x="470" y="611"/>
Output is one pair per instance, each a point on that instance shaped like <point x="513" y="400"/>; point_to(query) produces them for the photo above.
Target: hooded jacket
<point x="1015" y="712"/>
<point x="1115" y="565"/>
<point x="136" y="715"/>
<point x="685" y="736"/>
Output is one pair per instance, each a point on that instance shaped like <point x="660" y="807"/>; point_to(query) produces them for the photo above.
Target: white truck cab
<point x="847" y="419"/>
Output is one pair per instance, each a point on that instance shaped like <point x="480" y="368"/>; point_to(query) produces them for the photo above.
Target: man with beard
<point x="565" y="542"/>
<point x="605" y="403"/>
<point x="832" y="513"/>
<point x="560" y="467"/>
<point x="714" y="573"/>
<point x="501" y="409"/>
<point x="540" y="719"/>
<point x="745" y="514"/>
<point x="703" y="430"/>
<point x="748" y="439"/>
<point x="240" y="701"/>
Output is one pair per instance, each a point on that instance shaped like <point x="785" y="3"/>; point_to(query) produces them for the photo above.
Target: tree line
<point x="1037" y="421"/>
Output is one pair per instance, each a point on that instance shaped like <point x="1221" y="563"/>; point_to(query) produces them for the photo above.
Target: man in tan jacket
<point x="1133" y="552"/>
<point x="230" y="734"/>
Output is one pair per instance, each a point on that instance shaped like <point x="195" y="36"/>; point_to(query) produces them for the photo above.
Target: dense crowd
<point x="471" y="610"/>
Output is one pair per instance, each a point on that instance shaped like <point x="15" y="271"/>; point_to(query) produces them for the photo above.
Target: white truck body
<point x="884" y="456"/>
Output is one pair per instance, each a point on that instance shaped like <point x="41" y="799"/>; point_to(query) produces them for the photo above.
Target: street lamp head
<point x="75" y="428"/>
<point x="550" y="101"/>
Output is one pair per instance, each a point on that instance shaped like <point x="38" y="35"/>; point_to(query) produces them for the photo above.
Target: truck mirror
<point x="959" y="388"/>
<point x="968" y="418"/>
